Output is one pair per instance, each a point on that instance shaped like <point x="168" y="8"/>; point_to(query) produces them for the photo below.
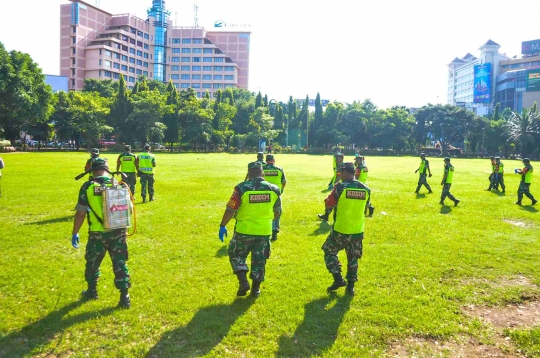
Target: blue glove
<point x="516" y="170"/>
<point x="222" y="231"/>
<point x="75" y="241"/>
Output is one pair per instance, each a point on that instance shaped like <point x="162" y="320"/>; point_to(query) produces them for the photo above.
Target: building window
<point x="186" y="41"/>
<point x="73" y="72"/>
<point x="185" y="68"/>
<point x="196" y="68"/>
<point x="145" y="73"/>
<point x="74" y="40"/>
<point x="186" y="59"/>
<point x="175" y="41"/>
<point x="206" y="85"/>
<point x="229" y="68"/>
<point x="108" y="74"/>
<point x="197" y="50"/>
<point x="176" y="59"/>
<point x="139" y="53"/>
<point x="73" y="61"/>
<point x="108" y="53"/>
<point x="132" y="70"/>
<point x="124" y="58"/>
<point x="218" y="68"/>
<point x="116" y="75"/>
<point x="197" y="41"/>
<point x="176" y="50"/>
<point x="195" y="77"/>
<point x="132" y="51"/>
<point x="229" y="85"/>
<point x="139" y="72"/>
<point x="195" y="85"/>
<point x="146" y="36"/>
<point x="145" y="55"/>
<point x="132" y="41"/>
<point x="186" y="50"/>
<point x="208" y="50"/>
<point x="207" y="77"/>
<point x="175" y="76"/>
<point x="131" y="60"/>
<point x="196" y="59"/>
<point x="218" y="59"/>
<point x="116" y="55"/>
<point x="131" y="79"/>
<point x="184" y="85"/>
<point x="74" y="50"/>
<point x="217" y="85"/>
<point x="124" y="68"/>
<point x="207" y="59"/>
<point x="146" y="47"/>
<point x="140" y="33"/>
<point x="229" y="77"/>
<point x="116" y="65"/>
<point x="185" y="77"/>
<point x="218" y="77"/>
<point x="207" y="68"/>
<point x="145" y="64"/>
<point x="139" y="63"/>
<point x="175" y="68"/>
<point x="124" y="48"/>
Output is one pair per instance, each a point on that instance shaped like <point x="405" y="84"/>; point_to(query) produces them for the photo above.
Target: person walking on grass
<point x="499" y="174"/>
<point x="126" y="163"/>
<point x="94" y="154"/>
<point x="424" y="171"/>
<point x="361" y="175"/>
<point x="447" y="182"/>
<point x="350" y="200"/>
<point x="145" y="164"/>
<point x="337" y="177"/>
<point x="525" y="183"/>
<point x="260" y="159"/>
<point x="255" y="204"/>
<point x="274" y="175"/>
<point x="101" y="240"/>
<point x="493" y="176"/>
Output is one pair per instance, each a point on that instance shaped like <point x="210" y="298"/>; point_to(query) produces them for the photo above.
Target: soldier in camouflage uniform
<point x="361" y="175"/>
<point x="126" y="163"/>
<point x="145" y="163"/>
<point x="424" y="170"/>
<point x="274" y="175"/>
<point x="493" y="182"/>
<point x="446" y="182"/>
<point x="260" y="159"/>
<point x="337" y="172"/>
<point x="255" y="203"/>
<point x="94" y="154"/>
<point x="525" y="183"/>
<point x="101" y="240"/>
<point x="350" y="198"/>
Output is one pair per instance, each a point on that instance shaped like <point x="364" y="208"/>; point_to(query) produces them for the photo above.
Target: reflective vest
<point x="93" y="193"/>
<point x="127" y="163"/>
<point x="450" y="174"/>
<point x="256" y="212"/>
<point x="350" y="212"/>
<point x="363" y="172"/>
<point x="273" y="175"/>
<point x="145" y="163"/>
<point x="423" y="167"/>
<point x="501" y="168"/>
<point x="527" y="178"/>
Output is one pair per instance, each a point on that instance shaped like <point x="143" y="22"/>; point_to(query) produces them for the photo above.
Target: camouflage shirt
<point x="257" y="184"/>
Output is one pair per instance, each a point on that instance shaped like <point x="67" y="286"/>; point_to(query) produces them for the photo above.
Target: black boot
<point x="518" y="202"/>
<point x="144" y="199"/>
<point x="256" y="289"/>
<point x="90" y="293"/>
<point x="243" y="286"/>
<point x="534" y="201"/>
<point x="456" y="202"/>
<point x="274" y="235"/>
<point x="338" y="282"/>
<point x="125" y="301"/>
<point x="323" y="217"/>
<point x="350" y="288"/>
<point x="371" y="210"/>
<point x="152" y="197"/>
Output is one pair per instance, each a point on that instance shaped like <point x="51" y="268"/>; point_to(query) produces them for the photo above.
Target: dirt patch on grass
<point x="459" y="347"/>
<point x="504" y="282"/>
<point x="524" y="315"/>
<point x="517" y="223"/>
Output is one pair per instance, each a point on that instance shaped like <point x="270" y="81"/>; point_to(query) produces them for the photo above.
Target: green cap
<point x="527" y="160"/>
<point x="255" y="165"/>
<point x="270" y="158"/>
<point x="348" y="167"/>
<point x="127" y="147"/>
<point x="100" y="163"/>
<point x="338" y="155"/>
<point x="446" y="158"/>
<point x="94" y="151"/>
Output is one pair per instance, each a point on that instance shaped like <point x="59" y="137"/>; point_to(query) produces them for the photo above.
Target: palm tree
<point x="522" y="128"/>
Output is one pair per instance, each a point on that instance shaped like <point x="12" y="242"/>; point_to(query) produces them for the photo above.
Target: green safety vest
<point x="362" y="178"/>
<point x="528" y="176"/>
<point x="127" y="163"/>
<point x="273" y="175"/>
<point x="350" y="212"/>
<point x="145" y="163"/>
<point x="423" y="167"/>
<point x="334" y="163"/>
<point x="256" y="212"/>
<point x="450" y="175"/>
<point x="501" y="168"/>
<point x="95" y="200"/>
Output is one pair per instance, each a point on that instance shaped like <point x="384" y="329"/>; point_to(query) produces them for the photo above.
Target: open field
<point x="433" y="281"/>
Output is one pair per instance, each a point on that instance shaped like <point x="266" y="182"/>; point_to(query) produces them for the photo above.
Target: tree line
<point x="236" y="119"/>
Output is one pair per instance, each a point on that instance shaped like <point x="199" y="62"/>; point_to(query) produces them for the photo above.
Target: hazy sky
<point x="394" y="52"/>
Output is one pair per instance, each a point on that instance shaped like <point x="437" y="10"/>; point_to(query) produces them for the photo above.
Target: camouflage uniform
<point x="147" y="179"/>
<point x="242" y="244"/>
<point x="336" y="241"/>
<point x="131" y="177"/>
<point x="422" y="180"/>
<point x="524" y="188"/>
<point x="113" y="241"/>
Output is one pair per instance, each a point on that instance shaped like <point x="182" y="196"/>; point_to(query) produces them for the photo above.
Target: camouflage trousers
<point x="115" y="243"/>
<point x="446" y="193"/>
<point x="335" y="242"/>
<point x="239" y="248"/>
<point x="147" y="179"/>
<point x="524" y="188"/>
<point x="131" y="181"/>
<point x="423" y="181"/>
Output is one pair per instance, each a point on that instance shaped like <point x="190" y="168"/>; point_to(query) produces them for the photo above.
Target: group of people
<point x="256" y="205"/>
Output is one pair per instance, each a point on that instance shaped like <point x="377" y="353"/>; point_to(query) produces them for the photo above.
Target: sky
<point x="394" y="52"/>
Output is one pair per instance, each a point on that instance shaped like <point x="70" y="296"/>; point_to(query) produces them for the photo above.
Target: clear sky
<point x="394" y="52"/>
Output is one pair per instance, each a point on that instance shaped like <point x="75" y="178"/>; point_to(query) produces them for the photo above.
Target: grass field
<point x="422" y="265"/>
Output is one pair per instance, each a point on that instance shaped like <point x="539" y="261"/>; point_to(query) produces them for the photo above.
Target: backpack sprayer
<point x="118" y="205"/>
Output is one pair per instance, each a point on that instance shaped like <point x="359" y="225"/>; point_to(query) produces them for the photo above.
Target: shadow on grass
<point x="204" y="332"/>
<point x="41" y="332"/>
<point x="223" y="251"/>
<point x="420" y="196"/>
<point x="324" y="228"/>
<point x="52" y="221"/>
<point x="446" y="209"/>
<point x="318" y="331"/>
<point x="529" y="208"/>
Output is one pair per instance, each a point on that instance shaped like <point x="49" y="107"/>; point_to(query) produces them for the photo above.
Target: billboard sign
<point x="530" y="47"/>
<point x="482" y="83"/>
<point x="311" y="103"/>
<point x="533" y="80"/>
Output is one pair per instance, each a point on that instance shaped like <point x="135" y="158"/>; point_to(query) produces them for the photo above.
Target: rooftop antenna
<point x="97" y="3"/>
<point x="175" y="19"/>
<point x="196" y="14"/>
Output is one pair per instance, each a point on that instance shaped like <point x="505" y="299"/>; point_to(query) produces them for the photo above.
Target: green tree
<point x="198" y="123"/>
<point x="258" y="100"/>
<point x="149" y="108"/>
<point x="523" y="128"/>
<point x="105" y="88"/>
<point x="120" y="110"/>
<point x="449" y="124"/>
<point x="171" y="119"/>
<point x="318" y="117"/>
<point x="265" y="100"/>
<point x="89" y="111"/>
<point x="63" y="120"/>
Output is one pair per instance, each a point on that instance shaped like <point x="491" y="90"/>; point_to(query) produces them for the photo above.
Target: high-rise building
<point x="101" y="45"/>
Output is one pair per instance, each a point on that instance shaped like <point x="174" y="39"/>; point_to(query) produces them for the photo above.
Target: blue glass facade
<point x="75" y="13"/>
<point x="160" y="17"/>
<point x="510" y="88"/>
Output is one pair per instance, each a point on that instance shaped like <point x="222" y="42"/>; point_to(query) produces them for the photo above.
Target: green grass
<point x="421" y="263"/>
